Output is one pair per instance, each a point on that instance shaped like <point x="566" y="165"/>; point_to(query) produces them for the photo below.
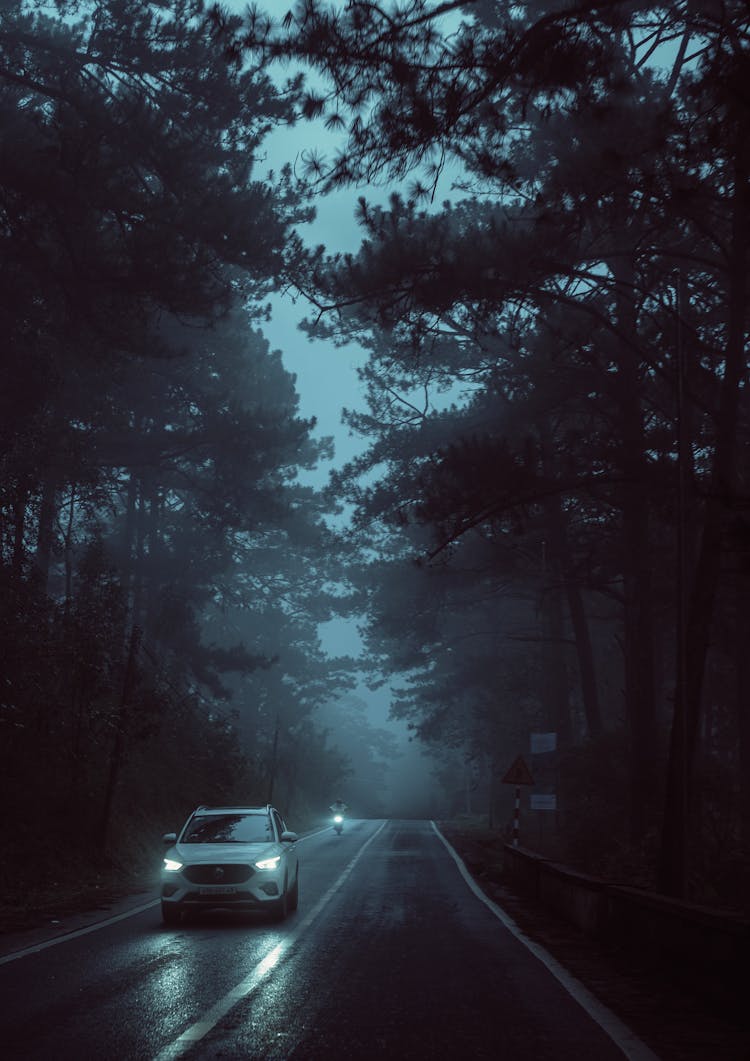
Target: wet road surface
<point x="390" y="955"/>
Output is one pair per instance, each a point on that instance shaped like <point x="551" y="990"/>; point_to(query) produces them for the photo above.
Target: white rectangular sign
<point x="544" y="801"/>
<point x="543" y="742"/>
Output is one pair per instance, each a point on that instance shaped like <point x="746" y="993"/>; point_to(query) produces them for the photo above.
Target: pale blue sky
<point x="327" y="382"/>
<point x="326" y="375"/>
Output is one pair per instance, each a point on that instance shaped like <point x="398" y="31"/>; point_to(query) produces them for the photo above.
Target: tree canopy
<point x="163" y="570"/>
<point x="549" y="528"/>
<point x="583" y="304"/>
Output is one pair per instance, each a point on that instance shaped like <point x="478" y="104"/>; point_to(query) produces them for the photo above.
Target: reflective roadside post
<point x="519" y="774"/>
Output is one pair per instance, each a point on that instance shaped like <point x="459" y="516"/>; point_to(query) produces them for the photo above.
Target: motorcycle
<point x="338" y="823"/>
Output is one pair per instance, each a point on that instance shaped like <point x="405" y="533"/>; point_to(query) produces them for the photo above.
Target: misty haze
<point x="375" y="530"/>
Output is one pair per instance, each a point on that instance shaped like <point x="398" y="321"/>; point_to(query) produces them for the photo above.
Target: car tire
<point x="293" y="902"/>
<point x="170" y="914"/>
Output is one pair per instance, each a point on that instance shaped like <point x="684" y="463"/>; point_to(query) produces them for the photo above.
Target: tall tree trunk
<point x="585" y="653"/>
<point x="555" y="692"/>
<point x="139" y="556"/>
<point x="75" y="762"/>
<point x="152" y="529"/>
<point x="274" y="760"/>
<point x="639" y="632"/>
<point x="52" y="478"/>
<point x="557" y="563"/>
<point x="117" y="754"/>
<point x="557" y="527"/>
<point x="127" y="539"/>
<point x="743" y="726"/>
<point x="673" y="869"/>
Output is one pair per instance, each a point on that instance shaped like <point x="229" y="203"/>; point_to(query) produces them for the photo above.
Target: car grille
<point x="239" y="898"/>
<point x="215" y="873"/>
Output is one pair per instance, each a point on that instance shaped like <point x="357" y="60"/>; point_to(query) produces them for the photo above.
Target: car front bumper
<point x="262" y="889"/>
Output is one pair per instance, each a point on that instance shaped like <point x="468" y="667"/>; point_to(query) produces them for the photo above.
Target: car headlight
<point x="171" y="866"/>
<point x="268" y="863"/>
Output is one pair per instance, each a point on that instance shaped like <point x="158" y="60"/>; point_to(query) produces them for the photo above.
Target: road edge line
<point x="67" y="936"/>
<point x="621" y="1035"/>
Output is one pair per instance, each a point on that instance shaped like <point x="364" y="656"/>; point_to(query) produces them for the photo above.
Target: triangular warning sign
<point x="519" y="774"/>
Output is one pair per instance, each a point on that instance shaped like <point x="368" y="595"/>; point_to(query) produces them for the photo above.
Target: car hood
<point x="223" y="852"/>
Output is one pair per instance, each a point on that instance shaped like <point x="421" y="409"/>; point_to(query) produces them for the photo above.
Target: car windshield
<point x="228" y="829"/>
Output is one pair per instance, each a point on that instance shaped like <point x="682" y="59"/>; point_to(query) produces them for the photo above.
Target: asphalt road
<point x="393" y="953"/>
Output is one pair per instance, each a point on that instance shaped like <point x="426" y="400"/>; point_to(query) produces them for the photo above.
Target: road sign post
<point x="519" y="774"/>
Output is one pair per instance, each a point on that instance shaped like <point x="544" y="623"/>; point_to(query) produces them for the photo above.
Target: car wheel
<point x="171" y="914"/>
<point x="294" y="895"/>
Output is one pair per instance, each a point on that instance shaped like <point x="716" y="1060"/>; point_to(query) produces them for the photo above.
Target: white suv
<point x="239" y="858"/>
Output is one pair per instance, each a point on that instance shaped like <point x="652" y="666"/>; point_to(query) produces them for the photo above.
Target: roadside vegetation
<point x="548" y="523"/>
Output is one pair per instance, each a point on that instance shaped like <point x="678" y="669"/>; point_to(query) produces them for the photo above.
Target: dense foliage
<point x="550" y="512"/>
<point x="558" y="390"/>
<point x="162" y="572"/>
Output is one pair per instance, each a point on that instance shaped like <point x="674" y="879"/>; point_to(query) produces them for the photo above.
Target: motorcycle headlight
<point x="268" y="863"/>
<point x="338" y="819"/>
<point x="171" y="865"/>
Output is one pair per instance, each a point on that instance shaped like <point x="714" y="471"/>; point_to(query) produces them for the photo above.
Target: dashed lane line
<point x="245" y="987"/>
<point x="66" y="937"/>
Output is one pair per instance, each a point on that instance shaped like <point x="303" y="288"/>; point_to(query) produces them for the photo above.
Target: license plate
<point x="219" y="889"/>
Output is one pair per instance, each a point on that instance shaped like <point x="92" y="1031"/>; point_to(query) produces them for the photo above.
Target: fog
<point x="532" y="521"/>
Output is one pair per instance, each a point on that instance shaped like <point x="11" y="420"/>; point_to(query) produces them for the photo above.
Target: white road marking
<point x="316" y="832"/>
<point x="617" y="1030"/>
<point x="245" y="987"/>
<point x="67" y="936"/>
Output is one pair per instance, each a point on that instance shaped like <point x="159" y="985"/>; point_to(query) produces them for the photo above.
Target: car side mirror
<point x="288" y="837"/>
<point x="169" y="838"/>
